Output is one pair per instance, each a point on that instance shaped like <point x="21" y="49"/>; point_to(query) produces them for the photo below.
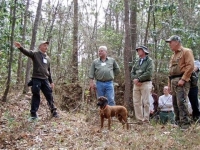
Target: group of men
<point x="103" y="70"/>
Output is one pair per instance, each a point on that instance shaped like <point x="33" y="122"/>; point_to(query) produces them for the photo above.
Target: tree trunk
<point x="52" y="22"/>
<point x="34" y="33"/>
<point x="75" y="44"/>
<point x="156" y="79"/>
<point x="148" y="22"/>
<point x="13" y="11"/>
<point x="20" y="61"/>
<point x="133" y="25"/>
<point x="127" y="56"/>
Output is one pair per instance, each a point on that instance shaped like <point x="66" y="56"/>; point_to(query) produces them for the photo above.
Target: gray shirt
<point x="104" y="71"/>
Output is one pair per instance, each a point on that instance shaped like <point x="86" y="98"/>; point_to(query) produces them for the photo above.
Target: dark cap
<point x="144" y="48"/>
<point x="173" y="38"/>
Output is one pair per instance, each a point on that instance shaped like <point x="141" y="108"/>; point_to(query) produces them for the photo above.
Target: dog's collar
<point x="104" y="107"/>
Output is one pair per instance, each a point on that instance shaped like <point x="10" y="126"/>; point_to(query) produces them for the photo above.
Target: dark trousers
<point x="193" y="97"/>
<point x="44" y="86"/>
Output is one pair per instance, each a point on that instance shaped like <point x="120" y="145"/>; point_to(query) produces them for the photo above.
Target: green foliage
<point x="117" y="5"/>
<point x="111" y="38"/>
<point x="5" y="43"/>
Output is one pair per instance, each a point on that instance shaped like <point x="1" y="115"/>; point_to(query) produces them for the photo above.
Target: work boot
<point x="184" y="127"/>
<point x="33" y="116"/>
<point x="196" y="119"/>
<point x="54" y="113"/>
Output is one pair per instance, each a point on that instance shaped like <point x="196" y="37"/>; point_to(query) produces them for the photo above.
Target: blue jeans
<point x="106" y="89"/>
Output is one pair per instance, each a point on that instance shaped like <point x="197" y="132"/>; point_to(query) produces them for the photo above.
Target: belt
<point x="167" y="111"/>
<point x="175" y="76"/>
<point x="104" y="81"/>
<point x="146" y="81"/>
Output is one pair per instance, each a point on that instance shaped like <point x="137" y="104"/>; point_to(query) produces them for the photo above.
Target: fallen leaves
<point x="81" y="130"/>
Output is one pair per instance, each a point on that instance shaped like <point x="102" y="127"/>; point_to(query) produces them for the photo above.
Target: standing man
<point x="141" y="75"/>
<point x="103" y="70"/>
<point x="41" y="78"/>
<point x="166" y="107"/>
<point x="193" y="95"/>
<point x="180" y="70"/>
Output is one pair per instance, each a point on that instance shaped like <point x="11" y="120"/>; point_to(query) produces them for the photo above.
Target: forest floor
<point x="80" y="129"/>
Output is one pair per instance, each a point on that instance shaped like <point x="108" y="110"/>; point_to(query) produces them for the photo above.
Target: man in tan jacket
<point x="180" y="70"/>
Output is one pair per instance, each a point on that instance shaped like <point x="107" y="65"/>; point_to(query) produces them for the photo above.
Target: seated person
<point x="153" y="100"/>
<point x="166" y="107"/>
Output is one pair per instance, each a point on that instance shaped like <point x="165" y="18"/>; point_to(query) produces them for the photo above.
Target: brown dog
<point x="107" y="112"/>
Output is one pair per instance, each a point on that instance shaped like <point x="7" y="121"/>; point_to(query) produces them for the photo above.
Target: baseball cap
<point x="44" y="42"/>
<point x="144" y="48"/>
<point x="173" y="38"/>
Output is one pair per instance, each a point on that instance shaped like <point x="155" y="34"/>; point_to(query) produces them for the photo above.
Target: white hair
<point x="103" y="47"/>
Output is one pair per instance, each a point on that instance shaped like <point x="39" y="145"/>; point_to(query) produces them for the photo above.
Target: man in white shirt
<point x="166" y="107"/>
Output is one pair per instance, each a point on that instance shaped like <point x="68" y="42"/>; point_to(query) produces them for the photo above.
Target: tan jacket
<point x="185" y="59"/>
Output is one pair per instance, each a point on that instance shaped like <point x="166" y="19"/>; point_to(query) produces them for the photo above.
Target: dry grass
<point x="80" y="130"/>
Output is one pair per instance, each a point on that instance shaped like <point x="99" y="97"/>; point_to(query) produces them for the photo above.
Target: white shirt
<point x="165" y="103"/>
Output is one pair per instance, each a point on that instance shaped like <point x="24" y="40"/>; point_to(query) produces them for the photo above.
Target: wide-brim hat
<point x="173" y="38"/>
<point x="144" y="48"/>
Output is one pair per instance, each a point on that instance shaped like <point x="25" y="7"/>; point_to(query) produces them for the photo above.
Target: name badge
<point x="44" y="60"/>
<point x="138" y="71"/>
<point x="103" y="64"/>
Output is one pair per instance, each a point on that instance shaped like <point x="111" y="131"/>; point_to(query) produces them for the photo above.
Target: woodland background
<point x="75" y="30"/>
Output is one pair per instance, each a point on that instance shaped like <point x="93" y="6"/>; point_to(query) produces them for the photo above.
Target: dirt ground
<point x="78" y="127"/>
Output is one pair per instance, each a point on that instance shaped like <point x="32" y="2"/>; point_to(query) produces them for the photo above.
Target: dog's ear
<point x="105" y="100"/>
<point x="101" y="98"/>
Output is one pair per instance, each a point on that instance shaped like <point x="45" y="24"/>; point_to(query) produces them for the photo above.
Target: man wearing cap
<point x="180" y="69"/>
<point x="103" y="70"/>
<point x="41" y="78"/>
<point x="141" y="75"/>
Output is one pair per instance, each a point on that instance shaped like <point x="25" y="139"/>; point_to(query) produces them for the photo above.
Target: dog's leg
<point x="125" y="121"/>
<point x="109" y="122"/>
<point x="127" y="126"/>
<point x="121" y="119"/>
<point x="102" y="121"/>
